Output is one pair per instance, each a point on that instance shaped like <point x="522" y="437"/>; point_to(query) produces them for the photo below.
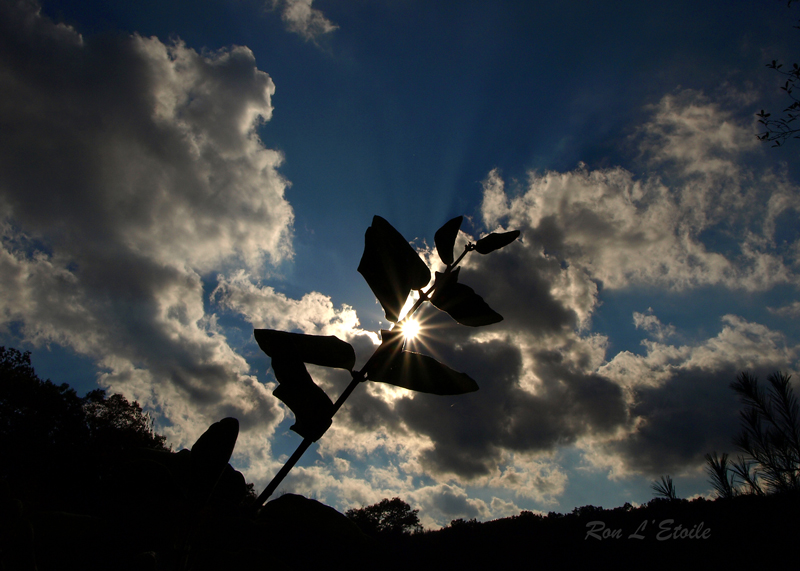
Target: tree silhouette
<point x="780" y="129"/>
<point x="49" y="434"/>
<point x="115" y="423"/>
<point x="386" y="518"/>
<point x="392" y="269"/>
<point x="769" y="440"/>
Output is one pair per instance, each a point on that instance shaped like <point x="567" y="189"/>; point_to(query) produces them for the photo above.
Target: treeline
<point x="662" y="534"/>
<point x="59" y="451"/>
<point x="86" y="483"/>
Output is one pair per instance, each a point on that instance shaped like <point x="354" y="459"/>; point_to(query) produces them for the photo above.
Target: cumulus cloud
<point x="446" y="502"/>
<point x="130" y="169"/>
<point x="682" y="403"/>
<point x="301" y="18"/>
<point x="313" y="314"/>
<point x="661" y="230"/>
<point x="705" y="220"/>
<point x="539" y="389"/>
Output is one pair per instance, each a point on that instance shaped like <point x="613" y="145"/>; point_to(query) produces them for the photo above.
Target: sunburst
<point x="411" y="329"/>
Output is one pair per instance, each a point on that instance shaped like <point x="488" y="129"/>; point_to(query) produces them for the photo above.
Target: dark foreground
<point x="293" y="532"/>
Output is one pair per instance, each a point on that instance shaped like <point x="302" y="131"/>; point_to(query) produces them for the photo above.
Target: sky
<point x="176" y="174"/>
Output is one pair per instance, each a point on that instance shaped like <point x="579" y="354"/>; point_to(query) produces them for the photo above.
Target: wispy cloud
<point x="652" y="324"/>
<point x="791" y="310"/>
<point x="303" y="19"/>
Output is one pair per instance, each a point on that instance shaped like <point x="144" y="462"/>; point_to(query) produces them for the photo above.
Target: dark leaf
<point x="391" y="345"/>
<point x="445" y="239"/>
<point x="211" y="454"/>
<point x="494" y="241"/>
<point x="312" y="408"/>
<point x="391" y="267"/>
<point x="461" y="302"/>
<point x="325" y="351"/>
<point x="414" y="371"/>
<point x="425" y="374"/>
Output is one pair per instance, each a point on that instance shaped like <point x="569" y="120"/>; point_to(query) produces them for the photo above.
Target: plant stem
<point x="304" y="445"/>
<point x="358" y="377"/>
<point x="283" y="471"/>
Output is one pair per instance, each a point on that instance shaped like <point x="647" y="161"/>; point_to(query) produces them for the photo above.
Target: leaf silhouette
<point x="461" y="302"/>
<point x="312" y="408"/>
<point x="392" y="343"/>
<point x="326" y="351"/>
<point x="391" y="267"/>
<point x="445" y="239"/>
<point x="493" y="241"/>
<point x="211" y="454"/>
<point x="415" y="371"/>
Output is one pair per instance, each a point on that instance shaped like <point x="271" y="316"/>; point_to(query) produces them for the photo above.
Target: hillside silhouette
<point x="86" y="483"/>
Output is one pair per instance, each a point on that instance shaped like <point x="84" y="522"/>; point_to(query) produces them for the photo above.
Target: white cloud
<point x="541" y="480"/>
<point x="680" y="397"/>
<point x="614" y="228"/>
<point x="744" y="344"/>
<point x="696" y="134"/>
<point x="301" y="18"/>
<point x="662" y="230"/>
<point x="547" y="382"/>
<point x="264" y="308"/>
<point x="130" y="169"/>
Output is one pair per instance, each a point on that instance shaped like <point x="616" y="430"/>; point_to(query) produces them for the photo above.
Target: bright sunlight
<point x="411" y="329"/>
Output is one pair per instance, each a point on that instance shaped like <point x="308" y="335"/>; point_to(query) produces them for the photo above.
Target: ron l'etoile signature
<point x="664" y="531"/>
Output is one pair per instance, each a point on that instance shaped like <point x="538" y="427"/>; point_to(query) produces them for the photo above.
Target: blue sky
<point x="174" y="174"/>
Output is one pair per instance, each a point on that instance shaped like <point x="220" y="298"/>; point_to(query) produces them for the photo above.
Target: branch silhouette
<point x="778" y="130"/>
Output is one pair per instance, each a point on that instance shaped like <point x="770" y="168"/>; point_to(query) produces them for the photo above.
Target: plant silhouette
<point x="392" y="269"/>
<point x="769" y="441"/>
